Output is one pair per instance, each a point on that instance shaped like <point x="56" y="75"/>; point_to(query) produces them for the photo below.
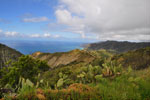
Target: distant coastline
<point x="29" y="47"/>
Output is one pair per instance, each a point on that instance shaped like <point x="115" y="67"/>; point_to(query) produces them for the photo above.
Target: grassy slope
<point x="138" y="59"/>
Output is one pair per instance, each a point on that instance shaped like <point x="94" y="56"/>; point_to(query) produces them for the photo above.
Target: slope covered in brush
<point x="137" y="59"/>
<point x="6" y="54"/>
<point x="117" y="46"/>
<point x="101" y="78"/>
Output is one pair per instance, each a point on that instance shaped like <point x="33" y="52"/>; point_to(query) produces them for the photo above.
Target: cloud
<point x="45" y="35"/>
<point x="11" y="34"/>
<point x="56" y="36"/>
<point x="142" y="34"/>
<point x="35" y="19"/>
<point x="108" y="19"/>
<point x="35" y="35"/>
<point x="14" y="34"/>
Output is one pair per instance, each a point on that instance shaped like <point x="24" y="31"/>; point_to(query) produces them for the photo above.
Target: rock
<point x="65" y="58"/>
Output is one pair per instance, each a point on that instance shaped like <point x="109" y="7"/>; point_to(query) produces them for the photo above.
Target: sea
<point x="28" y="47"/>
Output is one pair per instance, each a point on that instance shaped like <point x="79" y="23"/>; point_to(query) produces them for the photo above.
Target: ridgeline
<point x="117" y="46"/>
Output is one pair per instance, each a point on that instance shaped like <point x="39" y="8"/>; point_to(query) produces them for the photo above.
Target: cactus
<point x="89" y="73"/>
<point x="111" y="69"/>
<point x="23" y="82"/>
<point x="60" y="82"/>
<point x="60" y="75"/>
<point x="99" y="78"/>
<point x="37" y="84"/>
<point x="130" y="69"/>
<point x="65" y="76"/>
<point x="29" y="83"/>
<point x="81" y="77"/>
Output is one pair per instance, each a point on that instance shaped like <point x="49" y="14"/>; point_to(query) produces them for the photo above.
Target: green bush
<point x="26" y="67"/>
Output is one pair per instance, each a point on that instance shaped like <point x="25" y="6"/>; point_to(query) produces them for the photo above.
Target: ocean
<point x="29" y="47"/>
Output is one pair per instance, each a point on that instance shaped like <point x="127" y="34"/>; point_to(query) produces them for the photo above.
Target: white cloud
<point x="110" y="19"/>
<point x="56" y="36"/>
<point x="142" y="34"/>
<point x="11" y="34"/>
<point x="34" y="35"/>
<point x="35" y="19"/>
<point x="8" y="33"/>
<point x="47" y="35"/>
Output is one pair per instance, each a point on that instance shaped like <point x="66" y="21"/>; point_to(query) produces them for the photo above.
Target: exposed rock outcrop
<point x="65" y="58"/>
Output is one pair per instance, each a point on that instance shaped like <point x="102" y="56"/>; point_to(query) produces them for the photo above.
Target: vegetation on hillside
<point x="105" y="78"/>
<point x="138" y="59"/>
<point x="119" y="47"/>
<point x="6" y="54"/>
<point x="25" y="67"/>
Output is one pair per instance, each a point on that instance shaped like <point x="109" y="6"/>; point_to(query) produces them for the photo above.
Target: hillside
<point x="65" y="58"/>
<point x="78" y="75"/>
<point x="137" y="59"/>
<point x="6" y="54"/>
<point x="117" y="46"/>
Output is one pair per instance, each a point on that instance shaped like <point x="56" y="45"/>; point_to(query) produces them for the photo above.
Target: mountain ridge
<point x="120" y="47"/>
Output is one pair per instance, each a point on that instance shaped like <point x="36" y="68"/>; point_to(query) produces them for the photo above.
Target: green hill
<point x="137" y="59"/>
<point x="117" y="46"/>
<point x="6" y="54"/>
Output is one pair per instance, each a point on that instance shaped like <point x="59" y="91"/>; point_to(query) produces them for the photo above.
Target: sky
<point x="75" y="20"/>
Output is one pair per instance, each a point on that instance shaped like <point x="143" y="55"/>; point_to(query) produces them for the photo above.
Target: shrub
<point x="73" y="92"/>
<point x="26" y="67"/>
